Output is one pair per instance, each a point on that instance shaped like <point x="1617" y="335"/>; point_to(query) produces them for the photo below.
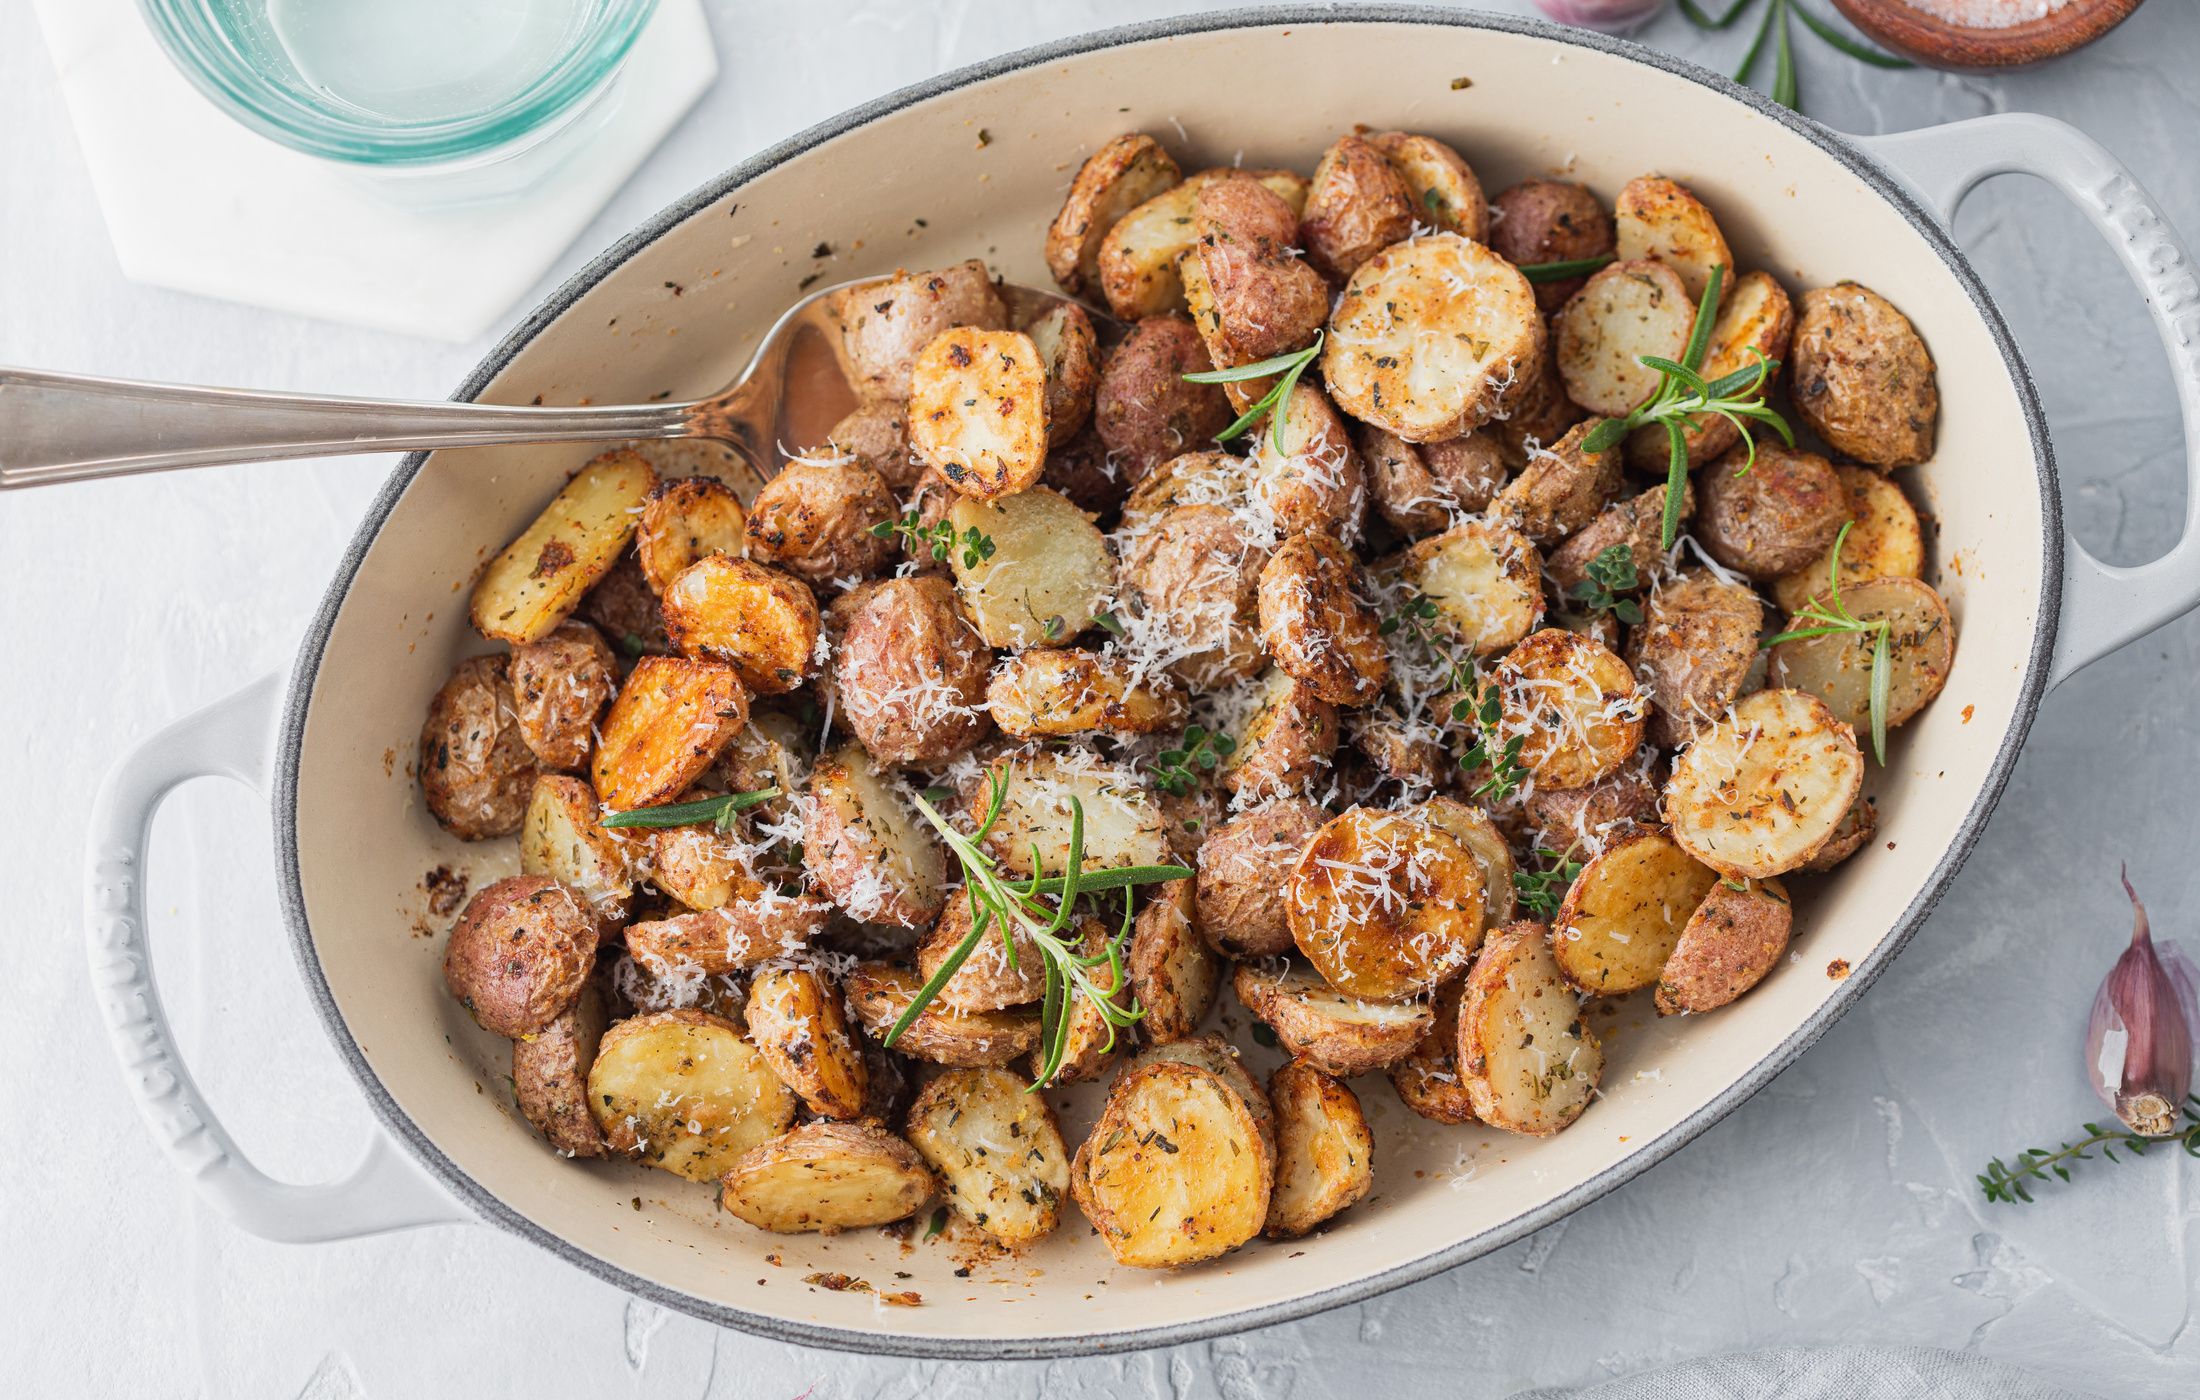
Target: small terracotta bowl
<point x="1936" y="43"/>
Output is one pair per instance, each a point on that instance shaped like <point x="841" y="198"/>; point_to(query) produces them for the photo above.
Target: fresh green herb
<point x="1263" y="1035"/>
<point x="1506" y="772"/>
<point x="1109" y="622"/>
<point x="1697" y="17"/>
<point x="1051" y="628"/>
<point x="720" y="810"/>
<point x="1785" y="89"/>
<point x="1828" y="616"/>
<point x="1418" y="611"/>
<point x="1041" y="909"/>
<point x="937" y="1223"/>
<point x="2002" y="1182"/>
<point x="1178" y="771"/>
<point x="1611" y="574"/>
<point x="1540" y="273"/>
<point x="1288" y="367"/>
<point x="1541" y="892"/>
<point x="938" y="539"/>
<point x="1682" y="393"/>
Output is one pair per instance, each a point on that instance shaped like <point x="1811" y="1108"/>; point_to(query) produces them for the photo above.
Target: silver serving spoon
<point x="69" y="427"/>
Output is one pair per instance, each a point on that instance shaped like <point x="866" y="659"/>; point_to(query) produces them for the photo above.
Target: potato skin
<point x="550" y="1077"/>
<point x="1117" y="178"/>
<point x="1693" y="652"/>
<point x="1637" y="523"/>
<point x="876" y="435"/>
<point x="1427" y="1079"/>
<point x="560" y="686"/>
<point x="1315" y="481"/>
<point x="879" y="993"/>
<point x="1537" y="410"/>
<point x="1058" y="691"/>
<point x="1285" y="744"/>
<point x="985" y="981"/>
<point x="1313" y="621"/>
<point x="476" y="770"/>
<point x="1196" y="575"/>
<point x="883" y="326"/>
<point x="542" y="575"/>
<point x="1173" y="975"/>
<point x="814" y="519"/>
<point x="911" y="673"/>
<point x="766" y="923"/>
<point x="1547" y="221"/>
<point x="520" y="953"/>
<point x="1861" y="377"/>
<point x="1324" y="1028"/>
<point x="1143" y="409"/>
<point x="683" y="520"/>
<point x="1244" y="868"/>
<point x="1771" y="518"/>
<point x="1358" y="206"/>
<point x="1560" y="490"/>
<point x="1586" y="817"/>
<point x="1420" y="489"/>
<point x="1733" y="939"/>
<point x="1325" y="1153"/>
<point x="1852" y="835"/>
<point x="1069" y="347"/>
<point x="1250" y="297"/>
<point x="624" y="608"/>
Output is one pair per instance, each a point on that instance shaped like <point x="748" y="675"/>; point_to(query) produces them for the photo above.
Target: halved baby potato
<point x="684" y="1091"/>
<point x="666" y="729"/>
<point x="1052" y="692"/>
<point x="796" y="1020"/>
<point x="764" y="924"/>
<point x="1325" y="1152"/>
<point x="1627" y="310"/>
<point x="1485" y="580"/>
<point x="563" y="837"/>
<point x="683" y="520"/>
<point x="1314" y="622"/>
<point x="762" y="622"/>
<point x="865" y="845"/>
<point x="1474" y="829"/>
<point x="1759" y="793"/>
<point x="1174" y="975"/>
<point x="1284" y="744"/>
<point x="1358" y="205"/>
<point x="1444" y="188"/>
<point x="538" y="580"/>
<point x="880" y="993"/>
<point x="994" y="974"/>
<point x="1177" y="1170"/>
<point x="1529" y="1061"/>
<point x="1734" y="938"/>
<point x="1069" y="347"/>
<point x="1576" y="708"/>
<point x="1837" y="667"/>
<point x="998" y="1151"/>
<point x="550" y="1077"/>
<point x="1427" y="1078"/>
<point x="560" y="686"/>
<point x="1662" y="219"/>
<point x="1885" y="540"/>
<point x="1385" y="905"/>
<point x="1756" y="320"/>
<point x="1138" y="258"/>
<point x="1114" y="180"/>
<point x="828" y="1177"/>
<point x="1335" y="1033"/>
<point x="1315" y="480"/>
<point x="978" y="410"/>
<point x="1049" y="573"/>
<point x="1123" y="824"/>
<point x="1625" y="913"/>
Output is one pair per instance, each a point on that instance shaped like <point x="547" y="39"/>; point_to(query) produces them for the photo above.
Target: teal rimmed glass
<point x="230" y="50"/>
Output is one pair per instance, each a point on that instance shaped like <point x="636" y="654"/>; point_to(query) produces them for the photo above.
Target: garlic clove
<point x="2139" y="1041"/>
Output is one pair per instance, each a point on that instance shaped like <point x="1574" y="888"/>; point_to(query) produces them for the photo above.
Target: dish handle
<point x="385" y="1191"/>
<point x="2104" y="606"/>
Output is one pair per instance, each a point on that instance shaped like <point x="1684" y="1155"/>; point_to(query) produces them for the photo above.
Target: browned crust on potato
<point x="1285" y="744"/>
<point x="768" y="923"/>
<point x="815" y="519"/>
<point x="1734" y="938"/>
<point x="911" y="673"/>
<point x="684" y="519"/>
<point x="1636" y="523"/>
<point x="1561" y="489"/>
<point x="797" y="1023"/>
<point x="978" y="410"/>
<point x="827" y="1177"/>
<point x="1576" y="707"/>
<point x="1861" y="377"/>
<point x="665" y="730"/>
<point x="884" y="324"/>
<point x="1313" y="621"/>
<point x="1327" y="1029"/>
<point x="1548" y="221"/>
<point x="1057" y="691"/>
<point x="1250" y="295"/>
<point x="1489" y="1041"/>
<point x="520" y="953"/>
<point x="758" y="620"/>
<point x="476" y="770"/>
<point x="1444" y="189"/>
<point x="1173" y="974"/>
<point x="1772" y="517"/>
<point x="560" y="686"/>
<point x="1357" y="206"/>
<point x="1385" y="905"/>
<point x="550" y="1077"/>
<point x="1420" y="489"/>
<point x="880" y="992"/>
<point x="1117" y="178"/>
<point x="1427" y="1078"/>
<point x="1144" y="410"/>
<point x="1693" y="652"/>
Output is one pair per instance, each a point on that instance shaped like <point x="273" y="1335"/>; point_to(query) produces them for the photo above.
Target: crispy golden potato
<point x="1755" y="319"/>
<point x="1430" y="336"/>
<point x="876" y="435"/>
<point x="1427" y="1079"/>
<point x="771" y="751"/>
<point x="1052" y="692"/>
<point x="1285" y="742"/>
<point x="1529" y="1062"/>
<point x="1733" y="939"/>
<point x="1862" y="378"/>
<point x="1473" y="828"/>
<point x="866" y="847"/>
<point x="797" y="1024"/>
<point x="666" y="729"/>
<point x="1195" y="576"/>
<point x="1662" y="219"/>
<point x="1771" y="517"/>
<point x="1885" y="541"/>
<point x="560" y="686"/>
<point x="883" y="325"/>
<point x="881" y="993"/>
<point x="1586" y="819"/>
<point x="476" y="770"/>
<point x="520" y="953"/>
<point x="998" y="1151"/>
<point x="1537" y="411"/>
<point x="683" y="520"/>
<point x="1144" y="411"/>
<point x="1315" y="480"/>
<point x="1048" y="575"/>
<point x="1123" y="823"/>
<point x="1176" y="1170"/>
<point x="1422" y="489"/>
<point x="1244" y="867"/>
<point x="1325" y="1153"/>
<point x="1837" y="668"/>
<point x="1625" y="913"/>
<point x="624" y="608"/>
<point x="1485" y="580"/>
<point x="550" y="1077"/>
<point x="1386" y="905"/>
<point x="1760" y="792"/>
<point x="1248" y="292"/>
<point x="1443" y="186"/>
<point x="910" y="672"/>
<point x="1359" y="204"/>
<point x="1560" y="490"/>
<point x="1635" y="524"/>
<point x="1627" y="310"/>
<point x="1550" y="221"/>
<point x="1173" y="974"/>
<point x="760" y="621"/>
<point x="1220" y="1058"/>
<point x="1852" y="835"/>
<point x="1314" y="1022"/>
<point x="978" y="410"/>
<point x="827" y="1177"/>
<point x="1312" y="620"/>
<point x="682" y="1090"/>
<point x="765" y="923"/>
<point x="1069" y="348"/>
<point x="987" y="980"/>
<point x="815" y="519"/>
<point x="539" y="579"/>
<point x="563" y="838"/>
<point x="1575" y="707"/>
<point x="1693" y="652"/>
<point x="1140" y="256"/>
<point x="1189" y="478"/>
<point x="633" y="990"/>
<point x="1114" y="180"/>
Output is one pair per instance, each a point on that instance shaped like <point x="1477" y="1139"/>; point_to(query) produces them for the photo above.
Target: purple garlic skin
<point x="2139" y="1042"/>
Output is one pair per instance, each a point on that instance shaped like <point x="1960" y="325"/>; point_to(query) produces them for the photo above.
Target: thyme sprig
<point x="1289" y="367"/>
<point x="719" y="810"/>
<point x="1506" y="772"/>
<point x="1610" y="575"/>
<point x="938" y="538"/>
<point x="1042" y="909"/>
<point x="1178" y="771"/>
<point x="1683" y="393"/>
<point x="2003" y="1182"/>
<point x="1829" y="616"/>
<point x="1539" y="273"/>
<point x="1541" y="892"/>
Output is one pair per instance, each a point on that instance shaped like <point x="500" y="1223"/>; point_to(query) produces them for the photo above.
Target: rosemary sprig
<point x="1178" y="771"/>
<point x="1785" y="89"/>
<point x="2003" y="1182"/>
<point x="938" y="538"/>
<point x="1540" y="273"/>
<point x="1541" y="892"/>
<point x="1611" y="574"/>
<point x="720" y="810"/>
<point x="1683" y="392"/>
<point x="1042" y="910"/>
<point x="1830" y="617"/>
<point x="1290" y="367"/>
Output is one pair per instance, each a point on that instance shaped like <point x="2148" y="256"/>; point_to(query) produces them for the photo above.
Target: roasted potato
<point x="520" y="953"/>
<point x="827" y="1177"/>
<point x="1760" y="792"/>
<point x="683" y="520"/>
<point x="1561" y="489"/>
<point x="1248" y="292"/>
<point x="1114" y="180"/>
<point x="1314" y="481"/>
<point x="1429" y="338"/>
<point x="1003" y="968"/>
<point x="1537" y="411"/>
<point x="876" y="435"/>
<point x="1220" y="1058"/>
<point x="1485" y="580"/>
<point x="1190" y="478"/>
<point x="1693" y="652"/>
<point x="1069" y="348"/>
<point x="760" y="621"/>
<point x="1123" y="823"/>
<point x="1325" y="1153"/>
<point x="880" y="993"/>
<point x="1755" y="320"/>
<point x="1422" y="489"/>
<point x="682" y="1090"/>
<point x="550" y="1077"/>
<point x="1082" y="470"/>
<point x="1358" y="205"/>
<point x="1244" y="867"/>
<point x="1139" y="258"/>
<point x="1585" y="819"/>
<point x="1314" y="1022"/>
<point x="1195" y="575"/>
<point x="1733" y="939"/>
<point x="1837" y="668"/>
<point x="1662" y="219"/>
<point x="1052" y="692"/>
<point x="1176" y="1170"/>
<point x="563" y="838"/>
<point x="797" y="1024"/>
<point x="1855" y="830"/>
<point x="883" y="325"/>
<point x="1885" y="540"/>
<point x="1048" y="575"/>
<point x="1550" y="221"/>
<point x="624" y="608"/>
<point x="1576" y="708"/>
<point x="1284" y="743"/>
<point x="978" y="410"/>
<point x="1627" y="310"/>
<point x="1862" y="378"/>
<point x="1443" y="186"/>
<point x="476" y="770"/>
<point x="1173" y="974"/>
<point x="1427" y="1078"/>
<point x="771" y="751"/>
<point x="666" y="729"/>
<point x="1385" y="905"/>
<point x="765" y="923"/>
<point x="1474" y="829"/>
<point x="1529" y="1062"/>
<point x="1625" y="913"/>
<point x="1635" y="524"/>
<point x="819" y="521"/>
<point x="1408" y="752"/>
<point x="1313" y="621"/>
<point x="1092" y="1042"/>
<point x="1144" y="410"/>
<point x="998" y="1152"/>
<point x="539" y="579"/>
<point x="866" y="847"/>
<point x="1772" y="516"/>
<point x="910" y="672"/>
<point x="560" y="686"/>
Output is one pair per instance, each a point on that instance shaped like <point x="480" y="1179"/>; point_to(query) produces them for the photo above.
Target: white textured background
<point x="1837" y="1206"/>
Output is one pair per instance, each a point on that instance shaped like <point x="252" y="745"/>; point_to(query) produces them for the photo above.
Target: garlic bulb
<point x="2139" y="1043"/>
<point x="1611" y="16"/>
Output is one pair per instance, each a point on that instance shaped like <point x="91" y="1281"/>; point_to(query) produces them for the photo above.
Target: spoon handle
<point x="72" y="427"/>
